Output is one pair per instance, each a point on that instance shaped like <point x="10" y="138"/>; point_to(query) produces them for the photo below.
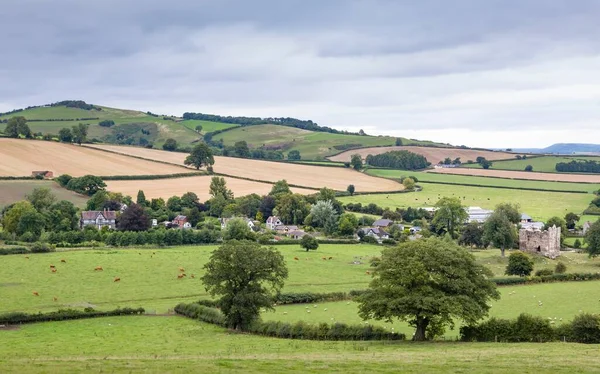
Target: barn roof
<point x="93" y="214"/>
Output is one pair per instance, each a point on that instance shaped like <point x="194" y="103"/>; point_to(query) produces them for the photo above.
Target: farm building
<point x="296" y="234"/>
<point x="383" y="222"/>
<point x="477" y="214"/>
<point x="586" y="227"/>
<point x="99" y="219"/>
<point x="285" y="229"/>
<point x="46" y="174"/>
<point x="541" y="242"/>
<point x="182" y="222"/>
<point x="375" y="232"/>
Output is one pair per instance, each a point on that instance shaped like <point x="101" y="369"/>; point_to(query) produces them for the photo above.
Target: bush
<point x="560" y="268"/>
<point x="13" y="250"/>
<point x="64" y="314"/>
<point x="526" y="328"/>
<point x="585" y="328"/>
<point x="543" y="272"/>
<point x="42" y="248"/>
<point x="368" y="239"/>
<point x="577" y="244"/>
<point x="519" y="264"/>
<point x="299" y="330"/>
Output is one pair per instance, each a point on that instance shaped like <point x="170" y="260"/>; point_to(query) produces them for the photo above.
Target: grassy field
<point x="11" y="191"/>
<point x="207" y="126"/>
<point x="527" y="175"/>
<point x="543" y="164"/>
<point x="539" y="205"/>
<point x="484" y="181"/>
<point x="266" y="171"/>
<point x="21" y="157"/>
<point x="178" y="345"/>
<point x="312" y="145"/>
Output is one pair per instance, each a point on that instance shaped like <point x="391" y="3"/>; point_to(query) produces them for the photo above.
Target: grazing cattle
<point x="368" y="272"/>
<point x="296" y="258"/>
<point x="180" y="276"/>
<point x="27" y="257"/>
<point x="117" y="279"/>
<point x="184" y="274"/>
<point x="35" y="293"/>
<point x="52" y="266"/>
<point x="63" y="261"/>
<point x="181" y="270"/>
<point x="330" y="258"/>
<point x="192" y="276"/>
<point x="98" y="268"/>
<point x="324" y="258"/>
<point x="55" y="298"/>
<point x="54" y="270"/>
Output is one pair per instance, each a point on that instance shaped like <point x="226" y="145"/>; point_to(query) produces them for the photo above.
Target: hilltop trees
<point x="428" y="283"/>
<point x="245" y="275"/>
<point x="404" y="160"/>
<point x="200" y="156"/>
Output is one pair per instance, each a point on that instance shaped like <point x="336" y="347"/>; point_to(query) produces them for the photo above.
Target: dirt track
<point x="522" y="175"/>
<point x="433" y="155"/>
<point x="301" y="175"/>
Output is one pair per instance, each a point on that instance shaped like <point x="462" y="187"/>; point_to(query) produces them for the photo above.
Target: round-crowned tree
<point x="519" y="264"/>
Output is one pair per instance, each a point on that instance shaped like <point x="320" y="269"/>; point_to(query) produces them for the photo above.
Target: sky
<point x="482" y="73"/>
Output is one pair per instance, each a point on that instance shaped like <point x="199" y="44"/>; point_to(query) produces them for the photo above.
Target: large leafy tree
<point x="592" y="238"/>
<point x="322" y="212"/>
<point x="41" y="198"/>
<point x="88" y="184"/>
<point x="356" y="162"/>
<point x="571" y="219"/>
<point x="499" y="231"/>
<point x="17" y="126"/>
<point x="62" y="216"/>
<point x="280" y="187"/>
<point x="218" y="188"/>
<point x="134" y="218"/>
<point x="449" y="216"/>
<point x="11" y="218"/>
<point x="241" y="149"/>
<point x="292" y="208"/>
<point x="244" y="275"/>
<point x="472" y="235"/>
<point x="237" y="229"/>
<point x="80" y="133"/>
<point x="511" y="211"/>
<point x="31" y="221"/>
<point x="170" y="145"/>
<point x="519" y="264"/>
<point x="65" y="135"/>
<point x="428" y="283"/>
<point x="200" y="156"/>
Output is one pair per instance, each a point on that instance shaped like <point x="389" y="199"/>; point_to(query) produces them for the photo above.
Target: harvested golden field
<point x="433" y="155"/>
<point x="581" y="178"/>
<point x="166" y="188"/>
<point x="20" y="157"/>
<point x="301" y="175"/>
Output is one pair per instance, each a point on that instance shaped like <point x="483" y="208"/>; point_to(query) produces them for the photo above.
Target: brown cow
<point x="179" y="276"/>
<point x="324" y="258"/>
<point x="193" y="276"/>
<point x="52" y="266"/>
<point x="55" y="298"/>
<point x="330" y="258"/>
<point x="63" y="261"/>
<point x="54" y="270"/>
<point x="98" y="268"/>
<point x="368" y="272"/>
<point x="296" y="258"/>
<point x="27" y="257"/>
<point x="117" y="279"/>
<point x="181" y="270"/>
<point x="35" y="293"/>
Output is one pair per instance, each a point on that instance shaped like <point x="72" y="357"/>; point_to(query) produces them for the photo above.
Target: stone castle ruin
<point x="541" y="242"/>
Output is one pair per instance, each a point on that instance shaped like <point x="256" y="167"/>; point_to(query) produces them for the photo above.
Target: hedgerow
<point x="64" y="314"/>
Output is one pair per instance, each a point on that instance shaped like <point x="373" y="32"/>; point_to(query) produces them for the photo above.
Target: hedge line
<point x="13" y="251"/>
<point x="298" y="330"/>
<point x="320" y="241"/>
<point x="568" y="277"/>
<point x="585" y="328"/>
<point x="64" y="314"/>
<point x="151" y="177"/>
<point x="505" y="187"/>
<point x="15" y="178"/>
<point x="264" y="181"/>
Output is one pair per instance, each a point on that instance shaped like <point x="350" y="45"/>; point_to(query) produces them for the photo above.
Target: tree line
<point x="582" y="166"/>
<point x="404" y="160"/>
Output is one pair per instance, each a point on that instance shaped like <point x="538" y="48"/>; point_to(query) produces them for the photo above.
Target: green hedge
<point x="298" y="330"/>
<point x="310" y="297"/>
<point x="64" y="314"/>
<point x="13" y="251"/>
<point x="585" y="328"/>
<point x="505" y="187"/>
<point x="570" y="277"/>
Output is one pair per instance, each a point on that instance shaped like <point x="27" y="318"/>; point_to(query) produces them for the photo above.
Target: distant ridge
<point x="564" y="149"/>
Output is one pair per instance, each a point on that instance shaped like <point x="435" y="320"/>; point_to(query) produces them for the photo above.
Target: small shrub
<point x="543" y="272"/>
<point x="41" y="248"/>
<point x="585" y="328"/>
<point x="560" y="268"/>
<point x="577" y="244"/>
<point x="519" y="264"/>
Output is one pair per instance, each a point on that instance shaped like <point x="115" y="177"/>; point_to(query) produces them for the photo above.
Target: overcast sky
<point x="491" y="73"/>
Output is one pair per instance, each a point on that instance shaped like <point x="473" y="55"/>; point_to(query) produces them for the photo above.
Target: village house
<point x="182" y="222"/>
<point x="375" y="232"/>
<point x="477" y="214"/>
<point x="383" y="223"/>
<point x="586" y="227"/>
<point x="272" y="222"/>
<point x="296" y="234"/>
<point x="285" y="229"/>
<point x="99" y="219"/>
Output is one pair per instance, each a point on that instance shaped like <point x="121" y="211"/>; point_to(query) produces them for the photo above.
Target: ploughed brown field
<point x="19" y="158"/>
<point x="300" y="175"/>
<point x="433" y="155"/>
<point x="166" y="188"/>
<point x="593" y="178"/>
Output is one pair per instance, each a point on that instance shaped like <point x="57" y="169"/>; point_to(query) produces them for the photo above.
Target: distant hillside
<point x="564" y="149"/>
<point x="274" y="137"/>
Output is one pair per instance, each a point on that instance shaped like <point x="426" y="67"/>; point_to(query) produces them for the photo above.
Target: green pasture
<point x="540" y="205"/>
<point x="543" y="163"/>
<point x="312" y="145"/>
<point x="207" y="126"/>
<point x="15" y="190"/>
<point x="484" y="181"/>
<point x="179" y="345"/>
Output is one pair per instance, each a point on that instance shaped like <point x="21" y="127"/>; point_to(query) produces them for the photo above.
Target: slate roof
<point x="89" y="215"/>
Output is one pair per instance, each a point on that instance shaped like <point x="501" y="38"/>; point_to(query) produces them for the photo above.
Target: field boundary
<point x="153" y="176"/>
<point x="503" y="187"/>
<point x="132" y="156"/>
<point x="519" y="179"/>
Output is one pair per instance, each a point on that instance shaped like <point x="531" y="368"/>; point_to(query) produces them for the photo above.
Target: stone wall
<point x="545" y="243"/>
